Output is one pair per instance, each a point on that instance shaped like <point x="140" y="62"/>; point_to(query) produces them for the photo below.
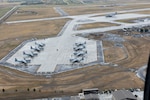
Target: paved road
<point x="9" y="13"/>
<point x="61" y="11"/>
<point x="34" y="20"/>
<point x="100" y="53"/>
<point x="141" y="73"/>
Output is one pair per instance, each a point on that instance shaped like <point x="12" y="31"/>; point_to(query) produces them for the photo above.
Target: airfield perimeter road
<point x="141" y="73"/>
<point x="101" y="53"/>
<point x="61" y="11"/>
<point x="78" y="16"/>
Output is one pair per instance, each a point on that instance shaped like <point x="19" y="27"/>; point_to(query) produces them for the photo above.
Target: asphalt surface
<point x="141" y="73"/>
<point x="61" y="11"/>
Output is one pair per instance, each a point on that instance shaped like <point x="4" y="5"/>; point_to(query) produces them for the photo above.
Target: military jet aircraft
<point x="36" y="49"/>
<point x="23" y="61"/>
<point x="34" y="53"/>
<point x="30" y="54"/>
<point x="40" y="44"/>
<point x="76" y="60"/>
<point x="111" y="14"/>
<point x="80" y="43"/>
<point x="79" y="48"/>
<point x="80" y="53"/>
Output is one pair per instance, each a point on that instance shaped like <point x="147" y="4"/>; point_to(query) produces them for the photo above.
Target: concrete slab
<point x="56" y="51"/>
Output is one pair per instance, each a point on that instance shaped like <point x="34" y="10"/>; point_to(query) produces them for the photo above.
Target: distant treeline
<point x="15" y="0"/>
<point x="27" y="2"/>
<point x="31" y="2"/>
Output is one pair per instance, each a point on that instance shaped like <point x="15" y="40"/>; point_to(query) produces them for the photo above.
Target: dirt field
<point x="5" y="7"/>
<point x="33" y="12"/>
<point x="3" y="10"/>
<point x="135" y="54"/>
<point x="138" y="52"/>
<point x="95" y="25"/>
<point x="77" y="10"/>
<point x="9" y="4"/>
<point x="144" y="12"/>
<point x="68" y="83"/>
<point x="131" y="20"/>
<point x="12" y="35"/>
<point x="113" y="54"/>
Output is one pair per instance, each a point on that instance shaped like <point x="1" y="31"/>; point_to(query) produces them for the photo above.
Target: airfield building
<point x="123" y="95"/>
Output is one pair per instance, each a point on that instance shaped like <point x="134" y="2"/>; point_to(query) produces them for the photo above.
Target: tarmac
<point x="58" y="50"/>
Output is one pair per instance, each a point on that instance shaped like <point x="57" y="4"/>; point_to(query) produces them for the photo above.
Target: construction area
<point x="53" y="50"/>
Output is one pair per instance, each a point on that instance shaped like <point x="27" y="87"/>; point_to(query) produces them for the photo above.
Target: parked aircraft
<point x="83" y="51"/>
<point x="28" y="60"/>
<point x="36" y="48"/>
<point x="111" y="14"/>
<point x="28" y="54"/>
<point x="40" y="44"/>
<point x="23" y="61"/>
<point x="79" y="48"/>
<point x="80" y="53"/>
<point x="34" y="53"/>
<point x="76" y="60"/>
<point x="124" y="30"/>
<point x="80" y="43"/>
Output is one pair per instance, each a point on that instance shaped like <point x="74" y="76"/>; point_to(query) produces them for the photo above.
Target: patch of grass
<point x="13" y="34"/>
<point x="90" y="9"/>
<point x="143" y="12"/>
<point x="131" y="20"/>
<point x="95" y="25"/>
<point x="33" y="12"/>
<point x="56" y="2"/>
<point x="4" y="10"/>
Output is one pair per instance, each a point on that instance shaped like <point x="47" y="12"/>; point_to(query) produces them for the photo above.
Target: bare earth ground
<point x="95" y="25"/>
<point x="143" y="12"/>
<point x="3" y="10"/>
<point x="12" y="35"/>
<point x="9" y="4"/>
<point x="138" y="52"/>
<point x="113" y="54"/>
<point x="136" y="49"/>
<point x="80" y="10"/>
<point x="43" y="11"/>
<point x="5" y="7"/>
<point x="132" y="20"/>
<point x="66" y="83"/>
